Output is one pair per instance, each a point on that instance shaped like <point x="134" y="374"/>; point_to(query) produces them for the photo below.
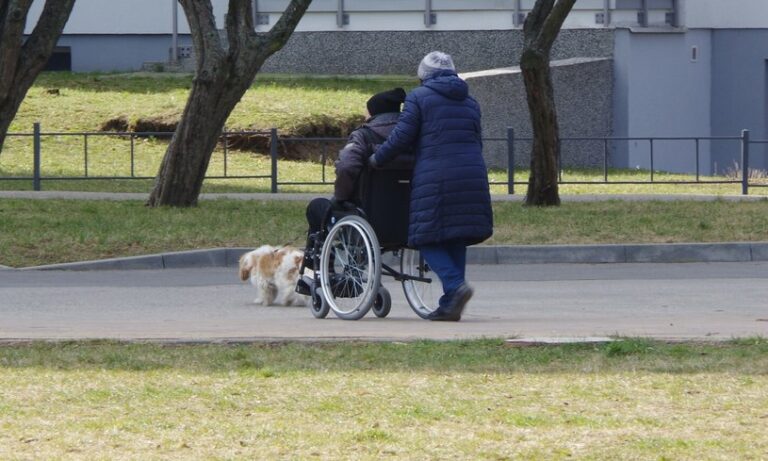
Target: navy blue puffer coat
<point x="450" y="199"/>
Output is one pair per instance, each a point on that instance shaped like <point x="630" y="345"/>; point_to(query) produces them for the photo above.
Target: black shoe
<point x="459" y="301"/>
<point x="439" y="315"/>
<point x="303" y="286"/>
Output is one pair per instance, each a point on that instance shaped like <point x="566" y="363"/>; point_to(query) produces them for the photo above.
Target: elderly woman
<point x="450" y="205"/>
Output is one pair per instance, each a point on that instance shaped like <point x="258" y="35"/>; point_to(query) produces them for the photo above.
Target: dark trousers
<point x="449" y="261"/>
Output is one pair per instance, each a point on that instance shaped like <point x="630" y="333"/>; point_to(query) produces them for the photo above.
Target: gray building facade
<point x="652" y="68"/>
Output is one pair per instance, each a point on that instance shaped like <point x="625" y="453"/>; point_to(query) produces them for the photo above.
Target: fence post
<point x="744" y="162"/>
<point x="273" y="155"/>
<point x="510" y="161"/>
<point x="36" y="157"/>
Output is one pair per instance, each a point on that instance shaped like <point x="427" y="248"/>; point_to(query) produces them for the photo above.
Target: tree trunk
<point x="545" y="152"/>
<point x="223" y="74"/>
<point x="540" y="30"/>
<point x="183" y="168"/>
<point x="8" y="111"/>
<point x="22" y="60"/>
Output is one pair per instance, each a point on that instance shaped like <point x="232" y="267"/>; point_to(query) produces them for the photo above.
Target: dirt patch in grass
<point x="293" y="145"/>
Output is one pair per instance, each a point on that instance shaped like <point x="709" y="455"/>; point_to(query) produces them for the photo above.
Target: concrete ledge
<point x="128" y="263"/>
<point x="217" y="257"/>
<point x="512" y="254"/>
<point x="678" y="253"/>
<point x="575" y="254"/>
<point x="759" y="251"/>
<point x="199" y="258"/>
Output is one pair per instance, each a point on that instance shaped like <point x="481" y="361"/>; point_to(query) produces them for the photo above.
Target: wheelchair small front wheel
<point x="317" y="303"/>
<point x="383" y="303"/>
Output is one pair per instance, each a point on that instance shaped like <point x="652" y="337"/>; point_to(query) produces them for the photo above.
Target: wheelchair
<point x="355" y="247"/>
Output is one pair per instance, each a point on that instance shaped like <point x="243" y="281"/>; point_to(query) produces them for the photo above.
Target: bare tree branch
<point x="281" y="32"/>
<point x="13" y="18"/>
<point x="205" y="37"/>
<point x="21" y="61"/>
<point x="534" y="20"/>
<point x="239" y="25"/>
<point x="221" y="80"/>
<point x="554" y="22"/>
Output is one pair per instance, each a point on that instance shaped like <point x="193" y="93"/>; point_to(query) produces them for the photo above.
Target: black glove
<point x="342" y="205"/>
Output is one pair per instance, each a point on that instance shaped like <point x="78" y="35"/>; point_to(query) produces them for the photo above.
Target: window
<point x="60" y="60"/>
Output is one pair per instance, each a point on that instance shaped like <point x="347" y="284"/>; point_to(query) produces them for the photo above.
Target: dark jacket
<point x="450" y="198"/>
<point x="354" y="156"/>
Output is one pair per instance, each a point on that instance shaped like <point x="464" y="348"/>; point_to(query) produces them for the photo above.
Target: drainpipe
<point x="644" y="9"/>
<point x="340" y="14"/>
<point x="175" y="35"/>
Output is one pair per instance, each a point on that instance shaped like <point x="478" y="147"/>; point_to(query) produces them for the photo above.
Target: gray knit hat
<point x="433" y="62"/>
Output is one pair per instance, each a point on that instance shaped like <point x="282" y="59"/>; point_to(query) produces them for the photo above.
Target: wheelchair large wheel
<point x="351" y="268"/>
<point x="422" y="287"/>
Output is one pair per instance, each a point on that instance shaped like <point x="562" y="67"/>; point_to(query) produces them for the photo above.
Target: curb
<point x="482" y="255"/>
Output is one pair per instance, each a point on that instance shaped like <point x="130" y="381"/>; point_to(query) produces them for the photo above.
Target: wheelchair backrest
<point x="385" y="196"/>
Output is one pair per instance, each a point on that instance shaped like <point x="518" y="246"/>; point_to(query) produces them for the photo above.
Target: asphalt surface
<point x="703" y="301"/>
<point x="561" y="292"/>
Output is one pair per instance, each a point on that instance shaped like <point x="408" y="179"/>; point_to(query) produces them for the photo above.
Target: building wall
<point x="739" y="93"/>
<point x="662" y="92"/>
<point x="155" y="16"/>
<point x="719" y="14"/>
<point x="583" y="93"/>
<point x="112" y="53"/>
<point x="400" y="52"/>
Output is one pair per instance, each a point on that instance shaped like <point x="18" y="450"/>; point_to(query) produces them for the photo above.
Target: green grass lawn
<point x="34" y="232"/>
<point x="84" y="102"/>
<point x="632" y="399"/>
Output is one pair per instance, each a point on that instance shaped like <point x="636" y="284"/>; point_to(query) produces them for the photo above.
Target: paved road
<point x="680" y="301"/>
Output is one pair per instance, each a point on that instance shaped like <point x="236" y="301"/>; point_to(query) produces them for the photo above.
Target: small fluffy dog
<point x="274" y="272"/>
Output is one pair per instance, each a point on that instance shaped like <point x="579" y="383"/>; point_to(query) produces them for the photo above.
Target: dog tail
<point x="246" y="264"/>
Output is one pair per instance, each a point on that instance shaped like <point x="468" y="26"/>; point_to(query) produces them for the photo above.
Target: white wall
<point x="154" y="16"/>
<point x="118" y="17"/>
<point x="725" y="14"/>
<point x="661" y="91"/>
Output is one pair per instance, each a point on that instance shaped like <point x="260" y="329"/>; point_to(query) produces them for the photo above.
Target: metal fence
<point x="275" y="141"/>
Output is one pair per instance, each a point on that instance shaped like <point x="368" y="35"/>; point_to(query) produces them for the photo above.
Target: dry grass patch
<point x="375" y="414"/>
<point x="456" y="400"/>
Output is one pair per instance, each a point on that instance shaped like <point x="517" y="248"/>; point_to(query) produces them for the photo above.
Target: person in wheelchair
<point x="450" y="205"/>
<point x="383" y="112"/>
